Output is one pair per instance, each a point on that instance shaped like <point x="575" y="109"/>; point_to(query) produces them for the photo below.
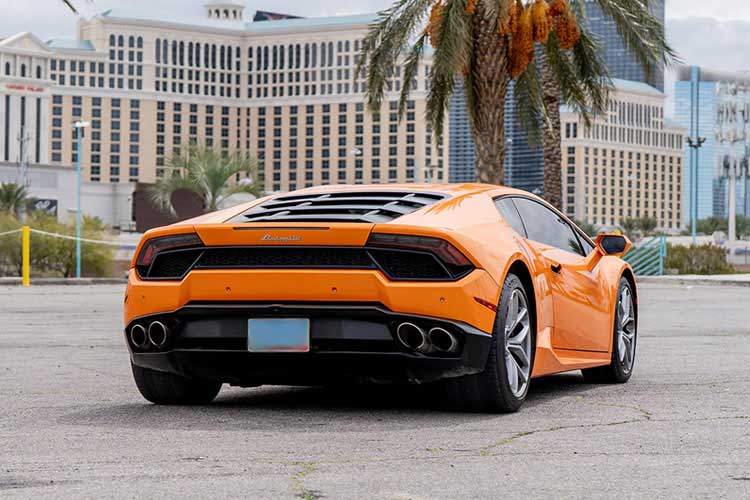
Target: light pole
<point x="79" y="126"/>
<point x="695" y="146"/>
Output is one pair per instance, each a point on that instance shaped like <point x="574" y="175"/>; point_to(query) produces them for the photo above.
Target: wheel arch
<point x="628" y="274"/>
<point x="520" y="269"/>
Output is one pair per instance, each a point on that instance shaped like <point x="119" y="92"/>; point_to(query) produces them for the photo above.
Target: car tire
<point x="169" y="389"/>
<point x="624" y="341"/>
<point x="493" y="390"/>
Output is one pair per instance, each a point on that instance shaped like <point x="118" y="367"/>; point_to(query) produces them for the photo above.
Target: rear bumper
<point x="349" y="342"/>
<point x="451" y="300"/>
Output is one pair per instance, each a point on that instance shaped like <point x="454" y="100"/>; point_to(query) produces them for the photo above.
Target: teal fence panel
<point x="647" y="259"/>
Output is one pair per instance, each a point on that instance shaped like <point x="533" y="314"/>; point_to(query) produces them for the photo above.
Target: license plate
<point x="278" y="335"/>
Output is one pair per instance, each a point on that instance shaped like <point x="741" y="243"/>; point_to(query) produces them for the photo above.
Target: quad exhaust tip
<point x="417" y="339"/>
<point x="138" y="336"/>
<point x="413" y="337"/>
<point x="158" y="334"/>
<point x="443" y="340"/>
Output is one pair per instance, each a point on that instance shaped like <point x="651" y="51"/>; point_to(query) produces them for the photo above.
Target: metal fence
<point x="647" y="259"/>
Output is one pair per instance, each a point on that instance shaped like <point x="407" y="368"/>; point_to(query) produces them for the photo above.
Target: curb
<point x="64" y="281"/>
<point x="693" y="281"/>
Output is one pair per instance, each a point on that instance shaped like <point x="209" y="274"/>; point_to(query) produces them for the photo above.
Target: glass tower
<point x="696" y="108"/>
<point x="621" y="62"/>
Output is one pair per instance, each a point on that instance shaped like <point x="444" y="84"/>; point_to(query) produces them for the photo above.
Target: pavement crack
<point x="305" y="469"/>
<point x="485" y="451"/>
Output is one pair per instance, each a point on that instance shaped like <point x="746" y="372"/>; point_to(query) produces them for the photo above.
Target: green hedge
<point x="55" y="257"/>
<point x="701" y="259"/>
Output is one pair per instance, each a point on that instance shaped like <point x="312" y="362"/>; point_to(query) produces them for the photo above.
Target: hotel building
<point x="629" y="163"/>
<point x="280" y="88"/>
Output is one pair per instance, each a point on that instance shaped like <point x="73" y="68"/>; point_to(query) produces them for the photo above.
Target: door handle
<point x="556" y="268"/>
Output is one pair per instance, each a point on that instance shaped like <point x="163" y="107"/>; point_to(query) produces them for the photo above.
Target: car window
<point x="510" y="215"/>
<point x="587" y="247"/>
<point x="546" y="227"/>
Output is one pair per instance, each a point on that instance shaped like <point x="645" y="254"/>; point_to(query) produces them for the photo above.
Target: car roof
<point x="448" y="189"/>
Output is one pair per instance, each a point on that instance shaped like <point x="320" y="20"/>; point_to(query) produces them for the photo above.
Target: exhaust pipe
<point x="158" y="334"/>
<point x="443" y="340"/>
<point x="138" y="336"/>
<point x="413" y="337"/>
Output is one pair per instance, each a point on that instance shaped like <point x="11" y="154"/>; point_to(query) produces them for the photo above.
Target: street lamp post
<point x="79" y="126"/>
<point x="695" y="146"/>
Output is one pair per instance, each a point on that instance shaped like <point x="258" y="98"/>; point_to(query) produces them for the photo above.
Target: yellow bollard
<point x="26" y="239"/>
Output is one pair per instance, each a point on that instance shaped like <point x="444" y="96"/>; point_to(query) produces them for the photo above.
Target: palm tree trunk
<point x="551" y="138"/>
<point x="489" y="84"/>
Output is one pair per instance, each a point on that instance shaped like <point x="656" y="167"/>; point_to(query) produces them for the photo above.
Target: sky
<point x="712" y="33"/>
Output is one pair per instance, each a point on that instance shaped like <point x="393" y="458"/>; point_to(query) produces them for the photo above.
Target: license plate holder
<point x="278" y="335"/>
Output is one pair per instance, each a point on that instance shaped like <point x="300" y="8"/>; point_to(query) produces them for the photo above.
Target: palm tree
<point x="13" y="198"/>
<point x="587" y="227"/>
<point x="490" y="43"/>
<point x="647" y="225"/>
<point x="553" y="96"/>
<point x="207" y="173"/>
<point x="630" y="226"/>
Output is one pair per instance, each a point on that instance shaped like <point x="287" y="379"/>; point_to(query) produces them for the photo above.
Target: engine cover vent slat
<point x="346" y="206"/>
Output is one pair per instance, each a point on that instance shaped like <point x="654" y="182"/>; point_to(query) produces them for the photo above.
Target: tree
<point x="207" y="173"/>
<point x="490" y="43"/>
<point x="13" y="198"/>
<point x="553" y="97"/>
<point x="590" y="229"/>
<point x="647" y="225"/>
<point x="712" y="224"/>
<point x="629" y="226"/>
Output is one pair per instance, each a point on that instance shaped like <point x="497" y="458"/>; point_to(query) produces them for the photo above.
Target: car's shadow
<point x="348" y="408"/>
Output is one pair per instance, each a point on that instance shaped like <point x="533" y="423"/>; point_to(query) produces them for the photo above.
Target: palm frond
<point x="70" y="6"/>
<point x="592" y="74"/>
<point x="161" y="192"/>
<point x="411" y="71"/>
<point x="385" y="43"/>
<point x="529" y="101"/>
<point x="451" y="57"/>
<point x="640" y="31"/>
<point x="207" y="172"/>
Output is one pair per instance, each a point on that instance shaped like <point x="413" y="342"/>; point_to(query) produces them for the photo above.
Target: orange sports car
<point x="475" y="287"/>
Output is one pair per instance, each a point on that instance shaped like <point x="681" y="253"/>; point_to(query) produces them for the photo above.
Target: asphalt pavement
<point x="73" y="426"/>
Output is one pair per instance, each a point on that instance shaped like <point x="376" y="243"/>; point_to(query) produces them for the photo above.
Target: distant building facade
<point x="697" y="109"/>
<point x="630" y="163"/>
<point x="281" y="88"/>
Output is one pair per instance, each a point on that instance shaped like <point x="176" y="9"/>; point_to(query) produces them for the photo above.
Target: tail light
<point x="155" y="246"/>
<point x="450" y="259"/>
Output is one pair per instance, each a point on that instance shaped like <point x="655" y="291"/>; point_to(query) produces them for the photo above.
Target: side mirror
<point x="613" y="244"/>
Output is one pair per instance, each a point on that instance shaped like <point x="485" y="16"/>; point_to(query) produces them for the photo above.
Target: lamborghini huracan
<point x="475" y="288"/>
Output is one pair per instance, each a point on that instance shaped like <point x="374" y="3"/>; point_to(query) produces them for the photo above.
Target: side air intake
<point x="371" y="207"/>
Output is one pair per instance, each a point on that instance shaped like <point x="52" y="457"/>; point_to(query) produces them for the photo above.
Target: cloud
<point x="725" y="10"/>
<point x="708" y="42"/>
<point x="56" y="21"/>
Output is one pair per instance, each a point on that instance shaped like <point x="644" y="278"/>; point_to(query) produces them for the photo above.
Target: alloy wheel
<point x="518" y="343"/>
<point x="626" y="329"/>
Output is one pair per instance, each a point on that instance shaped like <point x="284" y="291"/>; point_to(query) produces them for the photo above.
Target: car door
<point x="581" y="320"/>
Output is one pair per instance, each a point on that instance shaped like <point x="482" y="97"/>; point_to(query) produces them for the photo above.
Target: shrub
<point x="10" y="246"/>
<point x="700" y="259"/>
<point x="52" y="256"/>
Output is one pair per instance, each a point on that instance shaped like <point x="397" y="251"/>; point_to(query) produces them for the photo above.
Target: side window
<point x="546" y="227"/>
<point x="510" y="215"/>
<point x="587" y="247"/>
